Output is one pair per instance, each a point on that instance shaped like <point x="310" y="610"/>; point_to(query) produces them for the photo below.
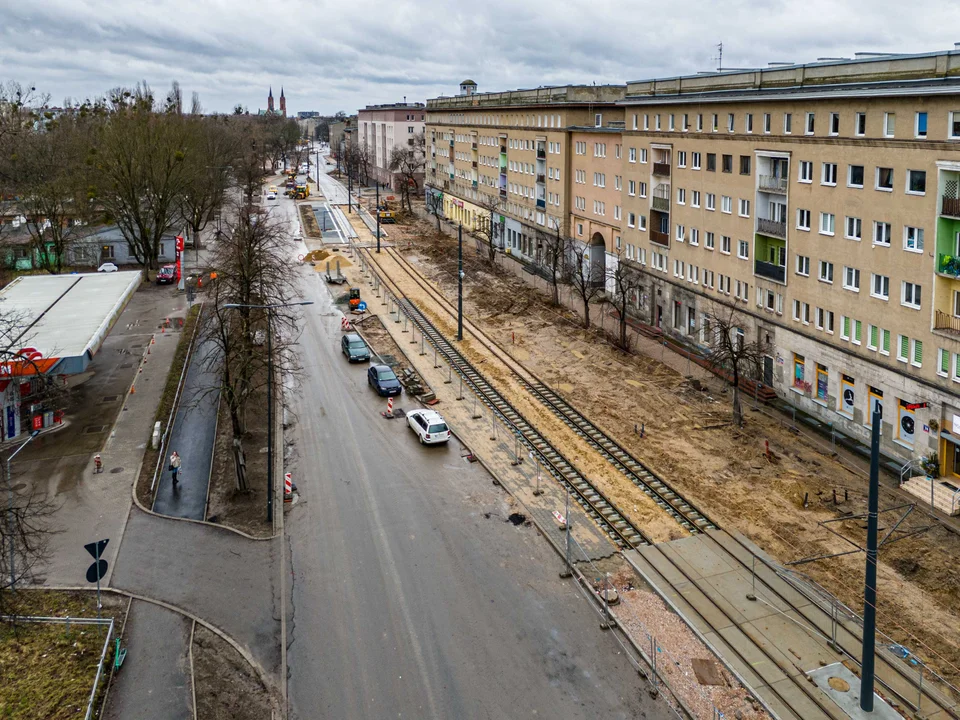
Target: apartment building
<point x="381" y="128"/>
<point x="820" y="201"/>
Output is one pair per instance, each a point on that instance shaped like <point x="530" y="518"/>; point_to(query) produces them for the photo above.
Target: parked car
<point x="429" y="426"/>
<point x="107" y="267"/>
<point x="382" y="379"/>
<point x="271" y="196"/>
<point x="354" y="348"/>
<point x="167" y="275"/>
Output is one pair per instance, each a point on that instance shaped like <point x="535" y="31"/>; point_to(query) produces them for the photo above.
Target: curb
<point x="263" y="675"/>
<point x="218" y="526"/>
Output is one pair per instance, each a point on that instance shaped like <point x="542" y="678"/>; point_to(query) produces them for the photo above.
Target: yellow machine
<point x="301" y="192"/>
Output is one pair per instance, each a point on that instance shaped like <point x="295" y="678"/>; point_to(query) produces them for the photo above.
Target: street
<point x="411" y="594"/>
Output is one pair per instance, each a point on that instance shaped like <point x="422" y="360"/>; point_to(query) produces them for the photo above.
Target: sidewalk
<point x="193" y="436"/>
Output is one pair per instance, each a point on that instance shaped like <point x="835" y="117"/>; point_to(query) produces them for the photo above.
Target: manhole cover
<point x="18" y="487"/>
<point x="116" y="470"/>
<point x="126" y="365"/>
<point x="94" y="429"/>
<point x="109" y="398"/>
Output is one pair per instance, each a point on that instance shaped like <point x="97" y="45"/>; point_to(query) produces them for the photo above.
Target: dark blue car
<point x="382" y="379"/>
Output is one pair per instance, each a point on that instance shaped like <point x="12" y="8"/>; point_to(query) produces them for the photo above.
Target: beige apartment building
<point x="818" y="200"/>
<point x="380" y="128"/>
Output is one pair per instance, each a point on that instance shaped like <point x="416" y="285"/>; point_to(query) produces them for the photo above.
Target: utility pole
<point x="460" y="281"/>
<point x="349" y="187"/>
<point x="867" y="656"/>
<point x="378" y="216"/>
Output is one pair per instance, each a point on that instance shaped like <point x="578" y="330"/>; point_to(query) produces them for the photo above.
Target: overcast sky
<point x="341" y="55"/>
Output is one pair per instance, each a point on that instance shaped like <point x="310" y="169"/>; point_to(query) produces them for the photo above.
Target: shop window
<point x="874" y="404"/>
<point x="848" y="395"/>
<point x="906" y="422"/>
<point x="798" y="371"/>
<point x="823" y="382"/>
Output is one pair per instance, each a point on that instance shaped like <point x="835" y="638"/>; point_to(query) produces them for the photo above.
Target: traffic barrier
<point x="389" y="412"/>
<point x="344" y="324"/>
<point x="287" y="487"/>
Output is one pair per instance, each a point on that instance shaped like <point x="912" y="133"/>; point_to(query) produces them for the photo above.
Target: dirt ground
<point x="722" y="469"/>
<point x="228" y="506"/>
<point x="227" y="687"/>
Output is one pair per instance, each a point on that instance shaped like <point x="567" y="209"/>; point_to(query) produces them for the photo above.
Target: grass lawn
<point x="47" y="671"/>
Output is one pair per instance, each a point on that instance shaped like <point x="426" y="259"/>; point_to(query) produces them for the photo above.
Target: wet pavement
<point x="155" y="680"/>
<point x="193" y="436"/>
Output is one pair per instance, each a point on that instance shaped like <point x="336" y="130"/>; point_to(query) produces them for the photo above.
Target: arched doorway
<point x="598" y="259"/>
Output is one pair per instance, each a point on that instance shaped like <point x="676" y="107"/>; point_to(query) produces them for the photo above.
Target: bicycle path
<point x="193" y="435"/>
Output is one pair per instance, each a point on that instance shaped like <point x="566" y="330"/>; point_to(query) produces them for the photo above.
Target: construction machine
<point x="354" y="298"/>
<point x="301" y="191"/>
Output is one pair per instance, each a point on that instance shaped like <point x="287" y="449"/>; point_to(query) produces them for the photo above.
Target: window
<point x="855" y="176"/>
<point x="694" y="236"/>
<point x="716" y="122"/>
<point x="873" y="334"/>
<point x="889" y="124"/>
<point x="787" y="123"/>
<point x="853" y="228"/>
<point x="633" y="155"/>
<point x="730" y="122"/>
<point x="727" y="163"/>
<point x="796" y="310"/>
<point x="631" y="220"/>
<point x="744" y="208"/>
<point x="857" y="329"/>
<point x="880" y="286"/>
<point x="808" y="127"/>
<point x="803" y="219"/>
<point x="708" y="241"/>
<point x="826" y="271"/>
<point x="748" y="123"/>
<point x="681" y="159"/>
<point x="819" y="318"/>
<point x="766" y="122"/>
<point x="881" y="233"/>
<point x="711" y="201"/>
<point x="695" y="198"/>
<point x="598" y="120"/>
<point x="834" y="123"/>
<point x="680" y="233"/>
<point x="711" y="162"/>
<point x="884" y="342"/>
<point x="617" y="182"/>
<point x="686" y="122"/>
<point x="670" y="123"/>
<point x="743" y="250"/>
<point x="579" y="228"/>
<point x="646" y="122"/>
<point x="616" y="212"/>
<point x="681" y="196"/>
<point x="920" y="125"/>
<point x="643" y="155"/>
<point x="913" y="239"/>
<point x="634" y="122"/>
<point x="806" y="171"/>
<point x="744" y="164"/>
<point x="695" y="160"/>
<point x="725" y="244"/>
<point x="827" y="222"/>
<point x="642" y="222"/>
<point x="657" y="121"/>
<point x="643" y="189"/>
<point x="910" y="295"/>
<point x="726" y="204"/>
<point x="851" y="279"/>
<point x="885" y="179"/>
<point x="828" y="174"/>
<point x="953" y="132"/>
<point x="916" y="181"/>
<point x="803" y="265"/>
<point x="903" y="348"/>
<point x="860" y="124"/>
<point x="631" y="187"/>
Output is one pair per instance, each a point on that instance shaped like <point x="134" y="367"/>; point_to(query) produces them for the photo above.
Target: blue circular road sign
<point x="361" y="305"/>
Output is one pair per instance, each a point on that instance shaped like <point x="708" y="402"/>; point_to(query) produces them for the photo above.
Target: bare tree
<point x="489" y="229"/>
<point x="583" y="278"/>
<point x="626" y="281"/>
<point x="555" y="256"/>
<point x="408" y="162"/>
<point x="729" y="352"/>
<point x="213" y="149"/>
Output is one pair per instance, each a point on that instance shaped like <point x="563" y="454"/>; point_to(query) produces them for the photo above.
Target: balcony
<point x="950" y="206"/>
<point x="474" y="182"/>
<point x="773" y="184"/>
<point x="662" y="169"/>
<point x="661" y="203"/>
<point x="474" y="163"/>
<point x="777" y="273"/>
<point x="948" y="265"/>
<point x="660" y="238"/>
<point x="541" y="178"/>
<point x="945" y="321"/>
<point x="473" y="146"/>
<point x="541" y="154"/>
<point x="772" y="228"/>
<point x="541" y="203"/>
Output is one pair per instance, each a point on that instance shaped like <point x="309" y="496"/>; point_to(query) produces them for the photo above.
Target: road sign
<point x="96" y="571"/>
<point x="361" y="306"/>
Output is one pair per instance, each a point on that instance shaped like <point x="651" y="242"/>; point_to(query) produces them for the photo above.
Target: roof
<point x="468" y="82"/>
<point x="66" y="318"/>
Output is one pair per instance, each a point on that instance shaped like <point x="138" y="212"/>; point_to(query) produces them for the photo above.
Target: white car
<point x="271" y="196"/>
<point x="107" y="267"/>
<point x="429" y="426"/>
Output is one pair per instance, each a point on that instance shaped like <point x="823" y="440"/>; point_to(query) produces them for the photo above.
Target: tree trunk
<point x="556" y="289"/>
<point x="586" y="311"/>
<point x="623" y="327"/>
<point x="737" y="410"/>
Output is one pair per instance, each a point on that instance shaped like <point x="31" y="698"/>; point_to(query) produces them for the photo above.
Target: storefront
<point x="950" y="445"/>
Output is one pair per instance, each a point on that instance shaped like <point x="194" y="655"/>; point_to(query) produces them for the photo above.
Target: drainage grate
<point x="94" y="429"/>
<point x="109" y="398"/>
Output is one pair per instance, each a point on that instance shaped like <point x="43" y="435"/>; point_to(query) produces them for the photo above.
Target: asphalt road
<point x="411" y="594"/>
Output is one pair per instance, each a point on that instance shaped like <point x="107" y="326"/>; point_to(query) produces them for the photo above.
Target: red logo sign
<point x="179" y="243"/>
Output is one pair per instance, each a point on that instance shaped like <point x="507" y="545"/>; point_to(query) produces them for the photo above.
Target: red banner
<point x="179" y="254"/>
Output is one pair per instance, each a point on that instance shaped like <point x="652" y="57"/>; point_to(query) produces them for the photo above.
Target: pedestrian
<point x="175" y="467"/>
<point x="98" y="463"/>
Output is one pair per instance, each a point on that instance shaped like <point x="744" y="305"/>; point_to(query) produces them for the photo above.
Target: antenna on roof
<point x="719" y="57"/>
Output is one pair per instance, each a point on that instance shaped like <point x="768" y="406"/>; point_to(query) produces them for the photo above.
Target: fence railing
<point x="771" y="183"/>
<point x="660" y="168"/>
<point x="945" y="321"/>
<point x="950" y="206"/>
<point x="772" y="227"/>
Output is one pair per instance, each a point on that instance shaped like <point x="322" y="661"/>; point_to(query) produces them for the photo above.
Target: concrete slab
<point x="843" y="688"/>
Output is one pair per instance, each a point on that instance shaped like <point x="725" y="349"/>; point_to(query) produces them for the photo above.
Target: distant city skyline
<point x="326" y="60"/>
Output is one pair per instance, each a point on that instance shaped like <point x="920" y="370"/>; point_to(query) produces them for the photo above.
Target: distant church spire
<point x="270" y="100"/>
<point x="283" y="103"/>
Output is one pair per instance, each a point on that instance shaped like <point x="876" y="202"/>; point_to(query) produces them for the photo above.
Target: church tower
<point x="270" y="101"/>
<point x="283" y="103"/>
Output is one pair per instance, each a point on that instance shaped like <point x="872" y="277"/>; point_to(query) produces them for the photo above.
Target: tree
<point x="729" y="353"/>
<point x="489" y="229"/>
<point x="212" y="150"/>
<point x="556" y="253"/>
<point x="18" y="112"/>
<point x="434" y="204"/>
<point x="583" y="278"/>
<point x="144" y="173"/>
<point x="627" y="281"/>
<point x="408" y="162"/>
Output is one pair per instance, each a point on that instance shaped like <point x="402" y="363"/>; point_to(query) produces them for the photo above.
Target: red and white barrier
<point x="287" y="486"/>
<point x="345" y="324"/>
<point x="389" y="411"/>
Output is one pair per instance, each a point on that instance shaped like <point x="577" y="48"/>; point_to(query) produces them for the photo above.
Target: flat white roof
<point x="66" y="316"/>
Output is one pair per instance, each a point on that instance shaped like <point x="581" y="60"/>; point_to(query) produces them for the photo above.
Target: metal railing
<point x="772" y="183"/>
<point x="661" y="168"/>
<point x="950" y="206"/>
<point x="660" y="238"/>
<point x="770" y="271"/>
<point x="945" y="321"/>
<point x="661" y="203"/>
<point x="772" y="227"/>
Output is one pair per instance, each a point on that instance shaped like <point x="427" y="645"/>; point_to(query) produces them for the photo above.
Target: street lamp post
<point x="460" y="282"/>
<point x="349" y="189"/>
<point x="269" y="309"/>
<point x="378" y="216"/>
<point x="10" y="528"/>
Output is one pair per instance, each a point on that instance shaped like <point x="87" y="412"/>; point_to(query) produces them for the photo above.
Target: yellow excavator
<point x="301" y="191"/>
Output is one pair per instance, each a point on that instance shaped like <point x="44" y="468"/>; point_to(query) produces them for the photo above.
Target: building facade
<point x="818" y="203"/>
<point x="380" y="128"/>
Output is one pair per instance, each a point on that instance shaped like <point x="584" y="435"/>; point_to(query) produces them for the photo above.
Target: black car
<point x="382" y="379"/>
<point x="354" y="348"/>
